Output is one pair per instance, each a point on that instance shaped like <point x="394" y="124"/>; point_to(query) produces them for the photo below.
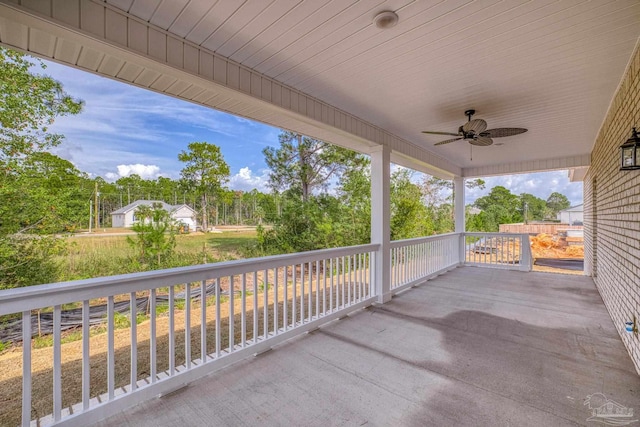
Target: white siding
<point x="185" y="215"/>
<point x="571" y="217"/>
<point x="117" y="220"/>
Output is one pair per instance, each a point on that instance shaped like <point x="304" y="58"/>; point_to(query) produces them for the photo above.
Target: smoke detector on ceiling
<point x="385" y="19"/>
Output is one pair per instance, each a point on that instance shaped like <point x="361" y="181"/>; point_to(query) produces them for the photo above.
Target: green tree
<point x="303" y="164"/>
<point x="46" y="194"/>
<point x="166" y="189"/>
<point x="155" y="234"/>
<point x="409" y="216"/>
<point x="555" y="203"/>
<point x="29" y="104"/>
<point x="436" y="191"/>
<point x="438" y="195"/>
<point x="354" y="193"/>
<point x="32" y="183"/>
<point x="500" y="206"/>
<point x="532" y="208"/>
<point x="26" y="260"/>
<point x="205" y="171"/>
<point x="131" y="187"/>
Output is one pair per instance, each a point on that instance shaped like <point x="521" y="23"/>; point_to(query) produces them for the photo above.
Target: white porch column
<point x="380" y="219"/>
<point x="458" y="209"/>
<point x="458" y="191"/>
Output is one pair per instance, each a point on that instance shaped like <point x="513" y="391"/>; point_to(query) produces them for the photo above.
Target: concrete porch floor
<point x="472" y="347"/>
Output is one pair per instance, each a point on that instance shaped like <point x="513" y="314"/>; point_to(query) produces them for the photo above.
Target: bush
<point x="319" y="223"/>
<point x="29" y="260"/>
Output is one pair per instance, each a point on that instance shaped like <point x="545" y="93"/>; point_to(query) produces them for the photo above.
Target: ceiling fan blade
<point x="502" y="132"/>
<point x="440" y="133"/>
<point x="447" y="141"/>
<point x="476" y="125"/>
<point x="482" y="141"/>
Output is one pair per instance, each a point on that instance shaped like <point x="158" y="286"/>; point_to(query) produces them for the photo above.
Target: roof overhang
<point x="328" y="72"/>
<point x="577" y="174"/>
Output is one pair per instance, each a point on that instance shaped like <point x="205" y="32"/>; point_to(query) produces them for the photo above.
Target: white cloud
<point x="144" y="171"/>
<point x="246" y="180"/>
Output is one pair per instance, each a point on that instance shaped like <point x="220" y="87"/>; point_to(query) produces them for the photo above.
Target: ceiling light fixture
<point x="386" y="19"/>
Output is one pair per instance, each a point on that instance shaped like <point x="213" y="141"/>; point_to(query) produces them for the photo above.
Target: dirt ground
<point x="11" y="363"/>
<point x="552" y="246"/>
<point x="42" y="370"/>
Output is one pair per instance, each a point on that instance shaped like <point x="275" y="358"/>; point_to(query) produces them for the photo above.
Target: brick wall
<point x="612" y="212"/>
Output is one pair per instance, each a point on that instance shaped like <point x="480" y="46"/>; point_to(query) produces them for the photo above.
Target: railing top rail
<point x="496" y="234"/>
<point x="35" y="297"/>
<point x="414" y="241"/>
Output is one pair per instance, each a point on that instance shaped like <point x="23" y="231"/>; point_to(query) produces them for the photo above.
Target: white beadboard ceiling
<point x="325" y="69"/>
<point x="551" y="66"/>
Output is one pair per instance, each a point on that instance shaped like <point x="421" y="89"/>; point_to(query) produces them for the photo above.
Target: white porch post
<point x="458" y="209"/>
<point x="380" y="220"/>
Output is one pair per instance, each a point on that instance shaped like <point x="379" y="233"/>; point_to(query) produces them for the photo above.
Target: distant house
<point x="472" y="210"/>
<point x="126" y="215"/>
<point x="572" y="216"/>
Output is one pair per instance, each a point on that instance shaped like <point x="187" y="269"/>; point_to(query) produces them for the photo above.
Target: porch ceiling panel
<point x="546" y="65"/>
<point x="323" y="68"/>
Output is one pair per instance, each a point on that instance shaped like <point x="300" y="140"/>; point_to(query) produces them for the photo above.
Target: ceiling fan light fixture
<point x="386" y="19"/>
<point x="475" y="132"/>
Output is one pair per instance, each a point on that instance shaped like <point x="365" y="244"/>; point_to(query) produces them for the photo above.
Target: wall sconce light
<point x="630" y="153"/>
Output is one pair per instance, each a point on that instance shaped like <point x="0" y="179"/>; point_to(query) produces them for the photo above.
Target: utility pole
<point x="90" y="214"/>
<point x="96" y="195"/>
<point x="128" y="194"/>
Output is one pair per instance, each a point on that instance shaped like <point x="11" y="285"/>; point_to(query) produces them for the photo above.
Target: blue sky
<point x="124" y="129"/>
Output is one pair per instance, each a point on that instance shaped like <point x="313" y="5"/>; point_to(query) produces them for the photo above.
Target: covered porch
<point x="495" y="345"/>
<point x="474" y="346"/>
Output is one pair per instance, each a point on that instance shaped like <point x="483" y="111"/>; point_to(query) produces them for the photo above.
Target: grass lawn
<point x="105" y="255"/>
<point x="225" y="243"/>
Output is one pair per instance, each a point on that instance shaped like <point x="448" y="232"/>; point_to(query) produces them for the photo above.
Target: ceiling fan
<point x="475" y="133"/>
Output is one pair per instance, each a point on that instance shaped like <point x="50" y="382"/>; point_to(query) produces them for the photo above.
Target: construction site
<point x="557" y="248"/>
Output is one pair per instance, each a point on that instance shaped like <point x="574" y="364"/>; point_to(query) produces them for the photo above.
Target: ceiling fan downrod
<point x="469" y="113"/>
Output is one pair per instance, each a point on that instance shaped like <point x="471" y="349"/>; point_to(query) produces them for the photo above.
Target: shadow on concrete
<point x="505" y="372"/>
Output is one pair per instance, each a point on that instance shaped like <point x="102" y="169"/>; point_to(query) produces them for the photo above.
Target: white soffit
<point x="549" y="66"/>
<point x="577" y="174"/>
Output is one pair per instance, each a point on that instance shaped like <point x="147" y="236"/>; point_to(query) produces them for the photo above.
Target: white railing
<point x="416" y="260"/>
<point x="136" y="336"/>
<point x="498" y="250"/>
<point x="159" y="333"/>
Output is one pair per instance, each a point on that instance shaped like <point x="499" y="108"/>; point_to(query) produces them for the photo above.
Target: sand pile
<point x="549" y="246"/>
<point x="575" y="251"/>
